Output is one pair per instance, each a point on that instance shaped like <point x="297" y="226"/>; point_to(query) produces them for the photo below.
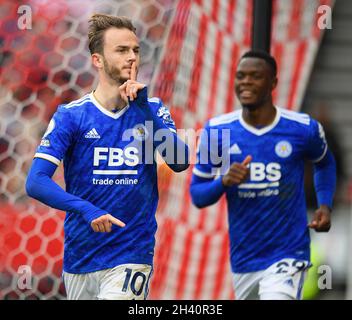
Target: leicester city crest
<point x="283" y="149"/>
<point x="140" y="132"/>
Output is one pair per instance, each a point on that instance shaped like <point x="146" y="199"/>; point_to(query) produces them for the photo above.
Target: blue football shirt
<point x="267" y="213"/>
<point x="108" y="161"/>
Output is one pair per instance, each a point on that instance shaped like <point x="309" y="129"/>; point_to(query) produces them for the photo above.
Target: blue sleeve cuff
<point x="141" y="103"/>
<point x="92" y="213"/>
<point x="205" y="192"/>
<point x="325" y="198"/>
<point x="325" y="180"/>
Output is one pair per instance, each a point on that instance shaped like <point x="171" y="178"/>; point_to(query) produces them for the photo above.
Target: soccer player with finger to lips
<point x="106" y="142"/>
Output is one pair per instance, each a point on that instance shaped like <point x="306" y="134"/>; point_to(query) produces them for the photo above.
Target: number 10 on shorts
<point x="135" y="280"/>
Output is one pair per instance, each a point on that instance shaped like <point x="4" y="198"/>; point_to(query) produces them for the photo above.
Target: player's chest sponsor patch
<point x="283" y="149"/>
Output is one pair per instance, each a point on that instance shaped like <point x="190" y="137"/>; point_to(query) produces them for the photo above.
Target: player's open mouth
<point x="246" y="94"/>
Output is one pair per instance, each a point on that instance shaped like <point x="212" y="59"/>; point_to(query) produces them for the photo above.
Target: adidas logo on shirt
<point x="235" y="149"/>
<point x="92" y="134"/>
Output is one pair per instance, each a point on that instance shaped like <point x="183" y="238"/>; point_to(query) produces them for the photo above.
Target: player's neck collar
<point x="114" y="115"/>
<point x="263" y="130"/>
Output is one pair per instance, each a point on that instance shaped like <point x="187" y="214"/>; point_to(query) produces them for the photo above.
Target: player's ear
<point x="97" y="60"/>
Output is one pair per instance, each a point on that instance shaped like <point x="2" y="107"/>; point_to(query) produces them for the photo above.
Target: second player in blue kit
<point x="262" y="149"/>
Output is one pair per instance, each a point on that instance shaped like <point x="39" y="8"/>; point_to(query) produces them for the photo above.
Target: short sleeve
<point x="57" y="137"/>
<point x="317" y="146"/>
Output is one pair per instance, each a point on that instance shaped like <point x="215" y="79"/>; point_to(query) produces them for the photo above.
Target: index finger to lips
<point x="133" y="72"/>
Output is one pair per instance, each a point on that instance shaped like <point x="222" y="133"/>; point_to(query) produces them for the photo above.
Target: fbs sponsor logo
<point x="115" y="157"/>
<point x="92" y="134"/>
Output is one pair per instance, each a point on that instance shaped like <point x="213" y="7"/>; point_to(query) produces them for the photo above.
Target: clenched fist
<point x="237" y="173"/>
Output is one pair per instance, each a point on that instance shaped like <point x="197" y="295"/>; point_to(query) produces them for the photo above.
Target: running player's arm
<point x="324" y="177"/>
<point x="325" y="184"/>
<point x="205" y="188"/>
<point x="207" y="191"/>
<point x="176" y="153"/>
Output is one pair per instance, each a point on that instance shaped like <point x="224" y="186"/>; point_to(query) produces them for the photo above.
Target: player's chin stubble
<point x="113" y="72"/>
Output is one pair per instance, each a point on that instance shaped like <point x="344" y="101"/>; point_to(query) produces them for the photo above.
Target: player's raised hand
<point x="130" y="88"/>
<point x="237" y="173"/>
<point x="321" y="220"/>
<point x="133" y="75"/>
<point x="104" y="223"/>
